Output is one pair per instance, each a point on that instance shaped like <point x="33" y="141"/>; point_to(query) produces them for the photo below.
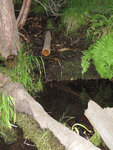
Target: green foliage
<point x="7" y="109"/>
<point x="102" y="55"/>
<point x="36" y="8"/>
<point x="100" y="25"/>
<point x="23" y="72"/>
<point x="91" y="6"/>
<point x="65" y="118"/>
<point x="96" y="139"/>
<point x="74" y="128"/>
<point x="74" y="16"/>
<point x="77" y="13"/>
<point x="73" y="20"/>
<point x="99" y="29"/>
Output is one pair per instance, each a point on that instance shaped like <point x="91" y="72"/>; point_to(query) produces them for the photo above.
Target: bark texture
<point x="9" y="39"/>
<point x="23" y="13"/>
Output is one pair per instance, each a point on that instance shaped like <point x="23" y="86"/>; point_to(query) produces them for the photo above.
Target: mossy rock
<point x="42" y="139"/>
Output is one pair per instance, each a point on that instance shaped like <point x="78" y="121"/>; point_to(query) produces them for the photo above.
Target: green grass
<point x="24" y="70"/>
<point x="73" y="20"/>
<point x="7" y="117"/>
<point x="78" y="13"/>
<point x="7" y="110"/>
<point x="24" y="73"/>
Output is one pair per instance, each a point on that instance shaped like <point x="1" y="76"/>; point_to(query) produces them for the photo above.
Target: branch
<point x="23" y="13"/>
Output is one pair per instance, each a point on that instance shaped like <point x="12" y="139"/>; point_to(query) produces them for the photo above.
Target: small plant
<point x="74" y="128"/>
<point x="23" y="72"/>
<point x="7" y="110"/>
<point x="96" y="139"/>
<point x="24" y="69"/>
<point x="102" y="55"/>
<point x="64" y="118"/>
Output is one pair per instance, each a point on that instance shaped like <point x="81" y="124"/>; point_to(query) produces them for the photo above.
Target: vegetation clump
<point x="77" y="14"/>
<point x="7" y="110"/>
<point x="7" y="117"/>
<point x="22" y="70"/>
<point x="101" y="54"/>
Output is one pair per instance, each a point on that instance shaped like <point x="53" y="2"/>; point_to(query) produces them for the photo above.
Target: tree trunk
<point x="9" y="39"/>
<point x="23" y="13"/>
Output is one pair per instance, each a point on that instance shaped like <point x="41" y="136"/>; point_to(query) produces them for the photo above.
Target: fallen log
<point x="102" y="121"/>
<point x="25" y="103"/>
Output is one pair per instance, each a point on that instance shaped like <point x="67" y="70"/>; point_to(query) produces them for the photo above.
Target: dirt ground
<point x="64" y="61"/>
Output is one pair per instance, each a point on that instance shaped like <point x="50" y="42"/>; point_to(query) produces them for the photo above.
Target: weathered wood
<point x="102" y="121"/>
<point x="46" y="49"/>
<point x="25" y="103"/>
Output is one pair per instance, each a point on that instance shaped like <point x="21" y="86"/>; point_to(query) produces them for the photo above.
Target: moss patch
<point x="31" y="130"/>
<point x="8" y="134"/>
<point x="71" y="67"/>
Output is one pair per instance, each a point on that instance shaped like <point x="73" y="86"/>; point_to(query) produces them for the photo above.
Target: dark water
<point x="73" y="97"/>
<point x="63" y="100"/>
